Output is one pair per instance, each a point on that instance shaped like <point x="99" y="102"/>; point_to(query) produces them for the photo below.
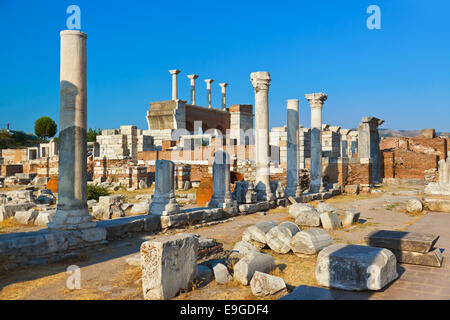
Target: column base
<point x="72" y="219"/>
<point x="163" y="206"/>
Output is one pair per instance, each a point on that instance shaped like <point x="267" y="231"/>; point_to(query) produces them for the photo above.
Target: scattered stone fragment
<point x="414" y="206"/>
<point x="297" y="208"/>
<point x="309" y="218"/>
<point x="353" y="267"/>
<point x="258" y="231"/>
<point x="140" y="208"/>
<point x="401" y="240"/>
<point x="310" y="241"/>
<point x="243" y="248"/>
<point x="254" y="207"/>
<point x="26" y="217"/>
<point x="304" y="292"/>
<point x="248" y="265"/>
<point x="350" y="217"/>
<point x="292" y="200"/>
<point x="330" y="220"/>
<point x="432" y="259"/>
<point x="263" y="284"/>
<point x="168" y="265"/>
<point x="325" y="207"/>
<point x="221" y="274"/>
<point x="352" y="189"/>
<point x="44" y="217"/>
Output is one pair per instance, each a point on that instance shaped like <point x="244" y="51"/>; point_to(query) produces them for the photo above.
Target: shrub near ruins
<point x="95" y="192"/>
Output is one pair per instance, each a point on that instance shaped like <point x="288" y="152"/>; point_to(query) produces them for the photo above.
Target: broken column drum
<point x="221" y="197"/>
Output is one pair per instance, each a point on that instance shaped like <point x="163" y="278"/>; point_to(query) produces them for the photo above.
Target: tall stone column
<point x="316" y="101"/>
<point x="261" y="82"/>
<point x="221" y="197"/>
<point x="174" y="74"/>
<point x="72" y="210"/>
<point x="208" y="92"/>
<point x="164" y="201"/>
<point x="192" y="77"/>
<point x="292" y="187"/>
<point x="369" y="144"/>
<point x="224" y="95"/>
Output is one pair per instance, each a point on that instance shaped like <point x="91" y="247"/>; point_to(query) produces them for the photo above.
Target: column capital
<point x="316" y="99"/>
<point x="260" y="80"/>
<point x="173" y="72"/>
<point x="192" y="76"/>
<point x="72" y="33"/>
<point x="223" y="85"/>
<point x="209" y="81"/>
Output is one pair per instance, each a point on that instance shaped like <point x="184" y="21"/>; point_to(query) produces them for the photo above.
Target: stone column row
<point x="192" y="78"/>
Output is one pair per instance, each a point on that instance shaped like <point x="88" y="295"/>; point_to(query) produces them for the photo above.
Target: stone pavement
<point x="417" y="282"/>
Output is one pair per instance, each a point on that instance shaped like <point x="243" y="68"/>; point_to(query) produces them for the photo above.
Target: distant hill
<point x="404" y="133"/>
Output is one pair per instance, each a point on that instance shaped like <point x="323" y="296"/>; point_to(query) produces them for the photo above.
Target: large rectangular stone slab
<point x="400" y="240"/>
<point x="432" y="259"/>
<point x="168" y="265"/>
<point x="356" y="268"/>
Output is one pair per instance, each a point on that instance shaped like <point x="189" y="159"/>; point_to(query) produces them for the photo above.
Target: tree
<point x="45" y="127"/>
<point x="92" y="134"/>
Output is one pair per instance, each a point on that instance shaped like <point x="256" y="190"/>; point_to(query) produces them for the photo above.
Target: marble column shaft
<point x="174" y="74"/>
<point x="224" y="95"/>
<point x="292" y="187"/>
<point x="193" y="77"/>
<point x="261" y="82"/>
<point x="316" y="101"/>
<point x="208" y="92"/>
<point x="72" y="210"/>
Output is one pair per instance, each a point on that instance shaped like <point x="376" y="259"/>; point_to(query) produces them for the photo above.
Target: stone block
<point x="432" y="259"/>
<point x="242" y="248"/>
<point x="297" y="208"/>
<point x="26" y="217"/>
<point x="309" y="218"/>
<point x="304" y="292"/>
<point x="254" y="207"/>
<point x="263" y="284"/>
<point x="168" y="265"/>
<point x="350" y="217"/>
<point x="330" y="220"/>
<point x="352" y="189"/>
<point x="248" y="265"/>
<point x="310" y="241"/>
<point x="44" y="217"/>
<point x="325" y="207"/>
<point x="357" y="268"/>
<point x="401" y="240"/>
<point x="140" y="208"/>
<point x="221" y="274"/>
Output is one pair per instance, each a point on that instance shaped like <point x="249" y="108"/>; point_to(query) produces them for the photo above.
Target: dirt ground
<point x="106" y="275"/>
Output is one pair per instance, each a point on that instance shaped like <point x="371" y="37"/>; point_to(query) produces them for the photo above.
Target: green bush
<point x="94" y="192"/>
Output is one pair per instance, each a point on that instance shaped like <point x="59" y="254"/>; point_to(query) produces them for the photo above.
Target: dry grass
<point x="352" y="197"/>
<point x="10" y="225"/>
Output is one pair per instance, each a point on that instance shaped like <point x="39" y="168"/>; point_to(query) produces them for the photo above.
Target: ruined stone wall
<point x="7" y="170"/>
<point x="14" y="156"/>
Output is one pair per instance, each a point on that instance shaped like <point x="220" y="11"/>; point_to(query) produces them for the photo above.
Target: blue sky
<point x="400" y="73"/>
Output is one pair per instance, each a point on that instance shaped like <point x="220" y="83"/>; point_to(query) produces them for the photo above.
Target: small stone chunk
<point x="278" y="239"/>
<point x="26" y="217"/>
<point x="330" y="220"/>
<point x="243" y="248"/>
<point x="297" y="208"/>
<point x="351" y="216"/>
<point x="325" y="207"/>
<point x="221" y="274"/>
<point x="309" y="218"/>
<point x="414" y="206"/>
<point x="248" y="265"/>
<point x="263" y="284"/>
